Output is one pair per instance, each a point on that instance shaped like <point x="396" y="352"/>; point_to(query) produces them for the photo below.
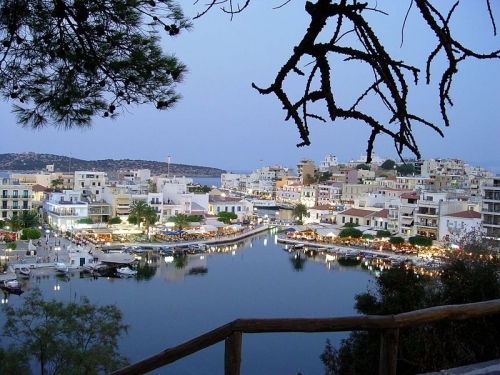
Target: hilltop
<point x="33" y="162"/>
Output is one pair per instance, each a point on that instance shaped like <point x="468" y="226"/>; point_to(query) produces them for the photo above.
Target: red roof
<point x="37" y="187"/>
<point x="357" y="212"/>
<point x="469" y="214"/>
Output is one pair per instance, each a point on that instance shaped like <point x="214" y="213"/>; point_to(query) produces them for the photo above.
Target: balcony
<point x="64" y="213"/>
<point x="6" y="196"/>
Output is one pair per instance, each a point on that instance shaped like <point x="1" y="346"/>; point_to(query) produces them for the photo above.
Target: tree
<point x="342" y="32"/>
<point x="27" y="219"/>
<point x="153" y="188"/>
<point x="115" y="220"/>
<point x="138" y="209"/>
<point x="420" y="241"/>
<point x="180" y="221"/>
<point x="29" y="233"/>
<point x="69" y="338"/>
<point x="300" y="211"/>
<point x="426" y="348"/>
<point x="226" y="217"/>
<point x="308" y="179"/>
<point x="350" y="232"/>
<point x="396" y="240"/>
<point x="364" y="167"/>
<point x="150" y="218"/>
<point x="65" y="62"/>
<point x="407" y="169"/>
<point x="383" y="233"/>
<point x="388" y="165"/>
<point x="86" y="220"/>
<point x="57" y="182"/>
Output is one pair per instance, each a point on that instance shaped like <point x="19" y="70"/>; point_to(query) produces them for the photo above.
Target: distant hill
<point x="32" y="162"/>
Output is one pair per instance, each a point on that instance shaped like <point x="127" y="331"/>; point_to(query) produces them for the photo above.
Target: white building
<point x="63" y="210"/>
<point x="457" y="224"/>
<point x="89" y="184"/>
<point x="329" y="161"/>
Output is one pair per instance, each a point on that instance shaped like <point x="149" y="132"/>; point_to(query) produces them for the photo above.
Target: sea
<point x="169" y="303"/>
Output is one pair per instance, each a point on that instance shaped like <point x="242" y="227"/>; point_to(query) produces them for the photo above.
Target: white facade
<point x="64" y="209"/>
<point x="329" y="161"/>
<point x="90" y="183"/>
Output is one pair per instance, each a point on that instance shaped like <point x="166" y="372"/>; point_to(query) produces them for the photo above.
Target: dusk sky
<point x="223" y="122"/>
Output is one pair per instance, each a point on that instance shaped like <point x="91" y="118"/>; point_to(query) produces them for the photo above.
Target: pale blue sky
<point x="222" y="122"/>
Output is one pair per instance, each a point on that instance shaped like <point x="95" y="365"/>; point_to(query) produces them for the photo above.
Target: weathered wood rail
<point x="388" y="325"/>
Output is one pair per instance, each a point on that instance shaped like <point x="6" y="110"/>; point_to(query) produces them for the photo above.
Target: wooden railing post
<point x="388" y="351"/>
<point x="232" y="354"/>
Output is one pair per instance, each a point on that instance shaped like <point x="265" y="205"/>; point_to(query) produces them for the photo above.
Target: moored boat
<point x="12" y="285"/>
<point x="25" y="271"/>
<point x="125" y="271"/>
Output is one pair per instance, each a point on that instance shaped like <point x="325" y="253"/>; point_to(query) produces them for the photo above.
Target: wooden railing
<point x="388" y="325"/>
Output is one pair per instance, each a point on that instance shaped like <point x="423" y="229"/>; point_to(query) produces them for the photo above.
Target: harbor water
<point x="171" y="302"/>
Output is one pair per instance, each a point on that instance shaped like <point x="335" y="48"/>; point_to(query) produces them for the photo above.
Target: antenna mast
<point x="168" y="166"/>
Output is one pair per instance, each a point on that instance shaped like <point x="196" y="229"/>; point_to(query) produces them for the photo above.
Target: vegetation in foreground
<point x="61" y="338"/>
<point x="470" y="275"/>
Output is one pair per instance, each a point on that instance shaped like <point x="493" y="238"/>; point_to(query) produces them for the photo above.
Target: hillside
<point x="32" y="162"/>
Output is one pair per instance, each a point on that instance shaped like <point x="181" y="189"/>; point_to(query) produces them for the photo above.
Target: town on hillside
<point x="435" y="198"/>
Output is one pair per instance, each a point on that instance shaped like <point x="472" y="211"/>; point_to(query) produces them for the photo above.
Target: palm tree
<point x="138" y="209"/>
<point x="150" y="218"/>
<point x="25" y="219"/>
<point x="300" y="211"/>
<point x="180" y="221"/>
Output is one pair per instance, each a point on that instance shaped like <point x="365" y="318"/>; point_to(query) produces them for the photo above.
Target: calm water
<point x="253" y="279"/>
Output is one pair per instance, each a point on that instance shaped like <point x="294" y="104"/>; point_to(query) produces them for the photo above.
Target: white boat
<point x="126" y="271"/>
<point x="264" y="203"/>
<point x="25" y="271"/>
<point x="196" y="247"/>
<point x="65" y="267"/>
<point x="113" y="258"/>
<point x="12" y="285"/>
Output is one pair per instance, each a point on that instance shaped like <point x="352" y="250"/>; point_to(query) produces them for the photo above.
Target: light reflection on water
<point x="173" y="301"/>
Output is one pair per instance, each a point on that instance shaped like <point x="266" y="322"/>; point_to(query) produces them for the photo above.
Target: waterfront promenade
<point x="47" y="256"/>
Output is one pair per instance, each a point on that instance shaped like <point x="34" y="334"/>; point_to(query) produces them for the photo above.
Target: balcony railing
<point x="388" y="325"/>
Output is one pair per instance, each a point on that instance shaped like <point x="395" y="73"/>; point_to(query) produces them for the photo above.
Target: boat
<point x="125" y="271"/>
<point x="12" y="285"/>
<point x="65" y="268"/>
<point x="113" y="258"/>
<point x="196" y="248"/>
<point x="298" y="246"/>
<point x="265" y="203"/>
<point x="25" y="271"/>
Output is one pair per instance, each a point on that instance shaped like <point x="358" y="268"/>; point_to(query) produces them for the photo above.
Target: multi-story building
<point x="89" y="184"/>
<point x="64" y="209"/>
<point x="309" y="195"/>
<point x="455" y="225"/>
<point x="329" y="192"/>
<point x="14" y="197"/>
<point x="305" y="167"/>
<point x="491" y="207"/>
<point x="218" y="202"/>
<point x="407" y="207"/>
<point x="118" y="199"/>
<point x="329" y="161"/>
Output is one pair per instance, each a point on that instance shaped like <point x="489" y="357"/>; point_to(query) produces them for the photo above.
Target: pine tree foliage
<point x="63" y="62"/>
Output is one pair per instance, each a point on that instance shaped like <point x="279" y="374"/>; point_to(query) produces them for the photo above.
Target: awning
<point x="327" y="232"/>
<point x="210" y="228"/>
<point x="407" y="210"/>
